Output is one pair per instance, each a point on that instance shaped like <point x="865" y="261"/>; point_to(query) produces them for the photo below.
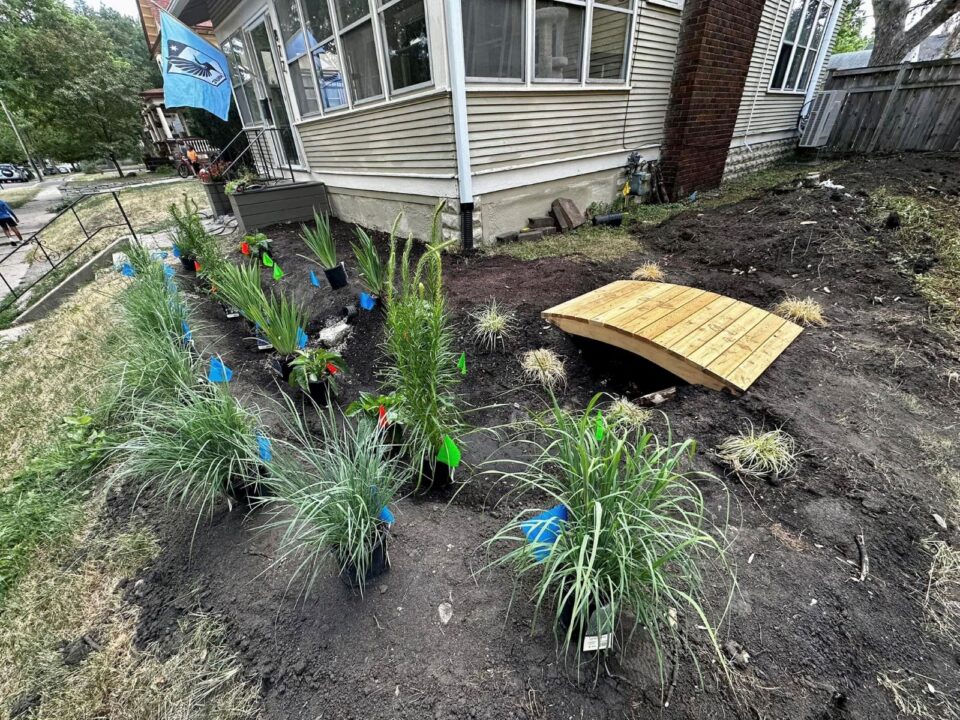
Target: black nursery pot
<point x="435" y="476"/>
<point x="566" y="619"/>
<point x="189" y="263"/>
<point x="283" y="368"/>
<point x="320" y="392"/>
<point x="243" y="491"/>
<point x="379" y="564"/>
<point x="337" y="277"/>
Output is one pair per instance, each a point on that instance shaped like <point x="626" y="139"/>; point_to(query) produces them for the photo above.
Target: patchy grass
<point x="146" y="207"/>
<point x="595" y="242"/>
<point x="45" y="285"/>
<point x="927" y="245"/>
<point x="917" y="697"/>
<point x="18" y="197"/>
<point x="942" y="599"/>
<point x="544" y="366"/>
<point x="110" y="177"/>
<point x="54" y="368"/>
<point x="806" y="311"/>
<point x="68" y="600"/>
<point x="770" y="455"/>
<point x="650" y="271"/>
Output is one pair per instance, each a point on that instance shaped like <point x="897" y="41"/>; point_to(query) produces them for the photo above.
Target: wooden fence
<point x="913" y="106"/>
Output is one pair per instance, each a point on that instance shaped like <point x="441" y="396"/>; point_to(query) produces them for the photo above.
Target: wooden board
<point x="702" y="337"/>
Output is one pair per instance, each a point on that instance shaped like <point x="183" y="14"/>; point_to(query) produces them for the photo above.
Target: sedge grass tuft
<point x="806" y="311"/>
<point x="545" y="367"/>
<point x="493" y="325"/>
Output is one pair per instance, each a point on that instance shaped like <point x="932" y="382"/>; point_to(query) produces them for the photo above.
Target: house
<point x="501" y="106"/>
<point x="935" y="47"/>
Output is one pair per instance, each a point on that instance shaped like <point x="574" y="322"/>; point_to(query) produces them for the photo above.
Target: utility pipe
<point x="461" y="128"/>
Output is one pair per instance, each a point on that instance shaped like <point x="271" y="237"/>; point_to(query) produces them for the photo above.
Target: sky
<point x="127" y="7"/>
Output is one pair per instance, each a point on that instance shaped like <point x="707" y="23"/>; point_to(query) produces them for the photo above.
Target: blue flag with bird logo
<point x="195" y="73"/>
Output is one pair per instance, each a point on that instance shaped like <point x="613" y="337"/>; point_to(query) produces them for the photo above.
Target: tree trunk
<point x="113" y="159"/>
<point x="891" y="41"/>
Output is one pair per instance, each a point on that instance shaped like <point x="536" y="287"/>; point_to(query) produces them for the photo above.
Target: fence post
<point x="125" y="218"/>
<point x="887" y="108"/>
<point x="73" y="209"/>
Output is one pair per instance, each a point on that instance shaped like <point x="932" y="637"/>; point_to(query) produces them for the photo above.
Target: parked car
<point x="11" y="173"/>
<point x="26" y="172"/>
<point x="65" y="169"/>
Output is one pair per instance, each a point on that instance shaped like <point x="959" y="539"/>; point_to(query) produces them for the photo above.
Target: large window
<point x="571" y="41"/>
<point x="338" y="52"/>
<point x="800" y="45"/>
<point x="242" y="79"/>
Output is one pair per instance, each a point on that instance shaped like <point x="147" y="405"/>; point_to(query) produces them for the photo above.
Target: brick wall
<point x="716" y="43"/>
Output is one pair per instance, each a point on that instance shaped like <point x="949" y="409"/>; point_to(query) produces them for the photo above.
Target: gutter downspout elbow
<point x="461" y="129"/>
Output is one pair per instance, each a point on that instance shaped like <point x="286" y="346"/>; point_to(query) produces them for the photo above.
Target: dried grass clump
<point x="804" y="312"/>
<point x="63" y="599"/>
<point x="626" y="415"/>
<point x="650" y="271"/>
<point x="766" y="455"/>
<point x="917" y="697"/>
<point x="942" y="600"/>
<point x="545" y="367"/>
<point x="492" y="325"/>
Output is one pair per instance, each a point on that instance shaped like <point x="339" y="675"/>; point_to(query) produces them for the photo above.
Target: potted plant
<point x="239" y="286"/>
<point x="282" y="327"/>
<point x="241" y="184"/>
<point x="314" y="371"/>
<point x="320" y="241"/>
<point x="255" y="245"/>
<point x="339" y="481"/>
<point x="423" y="369"/>
<point x="214" y="184"/>
<point x="371" y="269"/>
<point x="626" y="536"/>
<point x="189" y="233"/>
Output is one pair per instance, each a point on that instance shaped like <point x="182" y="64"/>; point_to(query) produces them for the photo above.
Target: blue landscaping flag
<point x="187" y="335"/>
<point x="313" y="279"/>
<point x="301" y="339"/>
<point x="543" y="530"/>
<point x="387" y="516"/>
<point x="367" y="301"/>
<point x="127" y="270"/>
<point x="195" y="73"/>
<point x="219" y="373"/>
<point x="263" y="444"/>
<point x="169" y="271"/>
<point x="176" y="251"/>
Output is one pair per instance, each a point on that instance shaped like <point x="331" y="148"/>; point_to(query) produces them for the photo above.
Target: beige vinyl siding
<point x="413" y="137"/>
<point x="654" y="58"/>
<point x="771" y="111"/>
<point x="519" y="128"/>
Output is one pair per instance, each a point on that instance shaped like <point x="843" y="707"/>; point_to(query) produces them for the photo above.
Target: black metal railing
<point x="265" y="155"/>
<point x="54" y="260"/>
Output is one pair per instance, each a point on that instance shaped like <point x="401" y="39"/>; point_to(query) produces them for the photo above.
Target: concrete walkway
<point x="33" y="216"/>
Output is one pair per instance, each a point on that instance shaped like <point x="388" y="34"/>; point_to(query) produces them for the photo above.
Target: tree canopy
<point x="850" y="24"/>
<point x="72" y="78"/>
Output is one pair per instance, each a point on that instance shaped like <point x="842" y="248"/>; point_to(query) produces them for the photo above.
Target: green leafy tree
<point x="850" y="37"/>
<point x="901" y="25"/>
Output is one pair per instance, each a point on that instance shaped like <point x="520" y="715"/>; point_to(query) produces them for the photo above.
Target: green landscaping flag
<point x="462" y="363"/>
<point x="267" y="260"/>
<point x="601" y="427"/>
<point x="449" y="452"/>
<point x="277" y="272"/>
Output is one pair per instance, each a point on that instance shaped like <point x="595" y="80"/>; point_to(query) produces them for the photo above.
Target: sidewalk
<point x="33" y="216"/>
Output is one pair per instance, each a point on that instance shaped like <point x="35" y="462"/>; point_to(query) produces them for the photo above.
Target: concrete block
<point x="567" y="214"/>
<point x="530" y="235"/>
<point x="546" y="232"/>
<point x="507" y="237"/>
<point x="541" y="222"/>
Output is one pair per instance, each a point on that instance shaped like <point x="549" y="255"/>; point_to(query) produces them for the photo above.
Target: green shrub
<point x="633" y="539"/>
<point x="313" y="366"/>
<point x="329" y="484"/>
<point x="371" y="267"/>
<point x="283" y="320"/>
<point x="190" y="236"/>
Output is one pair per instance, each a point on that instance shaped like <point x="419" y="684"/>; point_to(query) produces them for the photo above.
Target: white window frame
<point x="530" y="82"/>
<point x="386" y="50"/>
<point x="816" y="5"/>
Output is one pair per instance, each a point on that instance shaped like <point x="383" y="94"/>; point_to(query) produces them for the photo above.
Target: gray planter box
<point x="295" y="202"/>
<point x="219" y="200"/>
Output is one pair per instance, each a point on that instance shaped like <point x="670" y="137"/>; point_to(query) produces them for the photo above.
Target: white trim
<point x="672" y="4"/>
<point x="427" y="185"/>
<point x="542" y="86"/>
<point x="341" y="111"/>
<point x="495" y="179"/>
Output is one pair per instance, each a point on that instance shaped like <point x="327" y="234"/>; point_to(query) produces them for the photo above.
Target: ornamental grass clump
<point x="770" y="455"/>
<point x="492" y="325"/>
<point x="371" y="268"/>
<point x="239" y="286"/>
<point x="626" y="415"/>
<point x="650" y="271"/>
<point x="545" y="367"/>
<point x="628" y="553"/>
<point x="193" y="450"/>
<point x="419" y="344"/>
<point x="320" y="240"/>
<point x="330" y="488"/>
<point x="283" y="324"/>
<point x="189" y="235"/>
<point x="804" y="312"/>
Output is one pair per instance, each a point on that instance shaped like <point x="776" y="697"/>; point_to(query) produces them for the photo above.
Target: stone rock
<point x="529" y="235"/>
<point x="445" y="610"/>
<point x="567" y="214"/>
<point x="334" y="335"/>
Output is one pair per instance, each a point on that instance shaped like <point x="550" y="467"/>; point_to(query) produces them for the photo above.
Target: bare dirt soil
<point x="867" y="398"/>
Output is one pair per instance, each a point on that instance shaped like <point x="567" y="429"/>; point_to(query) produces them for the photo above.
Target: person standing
<point x="194" y="159"/>
<point x="9" y="222"/>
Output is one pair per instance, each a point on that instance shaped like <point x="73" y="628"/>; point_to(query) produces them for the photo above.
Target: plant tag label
<point x="592" y="643"/>
<point x="232" y="313"/>
<point x="263" y="345"/>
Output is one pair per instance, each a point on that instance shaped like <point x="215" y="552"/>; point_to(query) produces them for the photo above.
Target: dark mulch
<point x="861" y="396"/>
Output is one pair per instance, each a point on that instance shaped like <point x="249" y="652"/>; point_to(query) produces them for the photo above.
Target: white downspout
<point x="461" y="128"/>
<point x="822" y="55"/>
